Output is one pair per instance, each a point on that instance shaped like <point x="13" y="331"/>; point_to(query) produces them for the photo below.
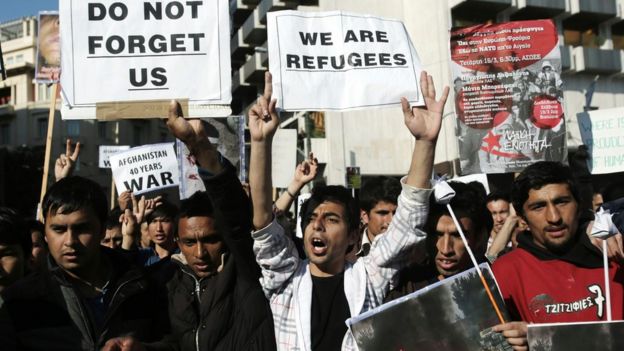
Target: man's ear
<point x="364" y="216"/>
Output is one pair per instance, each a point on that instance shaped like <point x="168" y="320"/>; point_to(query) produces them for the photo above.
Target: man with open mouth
<point x="446" y="252"/>
<point x="310" y="299"/>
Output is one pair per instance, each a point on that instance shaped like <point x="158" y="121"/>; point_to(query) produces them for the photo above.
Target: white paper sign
<point x="106" y="151"/>
<point x="340" y="61"/>
<point x="603" y="133"/>
<point x="122" y="51"/>
<point x="284" y="157"/>
<point x="190" y="181"/>
<point x="145" y="168"/>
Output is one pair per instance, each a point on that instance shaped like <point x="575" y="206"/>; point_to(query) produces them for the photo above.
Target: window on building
<point x="42" y="92"/>
<point x="19" y="58"/>
<point x="42" y="128"/>
<point x="136" y="134"/>
<point x="5" y="134"/>
<point x="12" y="31"/>
<point x="9" y="60"/>
<point x="586" y="37"/>
<point x="102" y="128"/>
<point x="617" y="35"/>
<point x="5" y="96"/>
<point x="73" y="128"/>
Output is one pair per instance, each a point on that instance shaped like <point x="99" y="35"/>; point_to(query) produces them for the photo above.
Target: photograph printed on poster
<point x="48" y="48"/>
<point x="453" y="314"/>
<point x="508" y="96"/>
<point x="595" y="336"/>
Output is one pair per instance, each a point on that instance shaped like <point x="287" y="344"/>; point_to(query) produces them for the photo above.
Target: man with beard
<point x="555" y="275"/>
<point x="310" y="299"/>
<point x="447" y="254"/>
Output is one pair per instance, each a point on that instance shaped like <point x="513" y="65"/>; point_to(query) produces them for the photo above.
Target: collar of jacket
<point x="582" y="253"/>
<point x="181" y="262"/>
<point x="123" y="270"/>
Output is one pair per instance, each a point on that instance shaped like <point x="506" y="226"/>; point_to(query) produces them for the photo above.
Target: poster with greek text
<point x="508" y="96"/>
<point x="453" y="314"/>
<point x="349" y="61"/>
<point x="603" y="133"/>
<point x="106" y="151"/>
<point x="145" y="168"/>
<point x="118" y="55"/>
<point x="48" y="68"/>
<point x="595" y="336"/>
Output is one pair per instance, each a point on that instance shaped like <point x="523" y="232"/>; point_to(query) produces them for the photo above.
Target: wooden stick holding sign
<point x="48" y="150"/>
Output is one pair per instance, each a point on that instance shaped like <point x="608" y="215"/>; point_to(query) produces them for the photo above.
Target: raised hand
<point x="424" y="122"/>
<point x="306" y="170"/>
<point x="128" y="225"/>
<point x="193" y="134"/>
<point x="64" y="165"/>
<point x="190" y="131"/>
<point x="263" y="120"/>
<point x="124" y="200"/>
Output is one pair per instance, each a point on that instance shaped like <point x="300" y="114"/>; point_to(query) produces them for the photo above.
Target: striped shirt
<point x="287" y="282"/>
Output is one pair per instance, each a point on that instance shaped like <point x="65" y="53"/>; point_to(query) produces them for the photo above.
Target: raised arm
<point x="193" y="135"/>
<point x="263" y="122"/>
<point x="424" y="123"/>
<point x="504" y="235"/>
<point x="65" y="163"/>
<point x="304" y="173"/>
<point x="275" y="253"/>
<point x="388" y="252"/>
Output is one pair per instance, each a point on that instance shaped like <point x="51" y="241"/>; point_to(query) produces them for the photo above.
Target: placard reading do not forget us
<point x="115" y="51"/>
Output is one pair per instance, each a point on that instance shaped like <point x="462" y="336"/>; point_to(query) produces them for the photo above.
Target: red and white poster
<point x="509" y="96"/>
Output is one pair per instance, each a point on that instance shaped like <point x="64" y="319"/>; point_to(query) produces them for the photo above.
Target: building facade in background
<point x="591" y="35"/>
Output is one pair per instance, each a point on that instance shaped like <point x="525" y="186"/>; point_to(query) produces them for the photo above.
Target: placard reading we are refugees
<point x="340" y="61"/>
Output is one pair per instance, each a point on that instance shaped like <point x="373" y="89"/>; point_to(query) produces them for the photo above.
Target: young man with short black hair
<point x="378" y="203"/>
<point x="90" y="293"/>
<point x="555" y="275"/>
<point x="310" y="299"/>
<point x="446" y="252"/>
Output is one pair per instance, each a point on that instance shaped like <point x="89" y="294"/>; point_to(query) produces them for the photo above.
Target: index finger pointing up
<point x="268" y="86"/>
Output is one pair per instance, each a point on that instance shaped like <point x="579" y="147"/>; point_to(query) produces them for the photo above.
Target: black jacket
<point x="45" y="312"/>
<point x="226" y="311"/>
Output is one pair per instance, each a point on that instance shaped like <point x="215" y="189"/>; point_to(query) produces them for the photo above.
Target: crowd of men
<point x="225" y="271"/>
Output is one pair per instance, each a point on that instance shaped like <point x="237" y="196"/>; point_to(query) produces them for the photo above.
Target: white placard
<point x="283" y="157"/>
<point x="145" y="168"/>
<point x="190" y="181"/>
<point x="114" y="51"/>
<point x="340" y="61"/>
<point x="603" y="133"/>
<point x="106" y="151"/>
